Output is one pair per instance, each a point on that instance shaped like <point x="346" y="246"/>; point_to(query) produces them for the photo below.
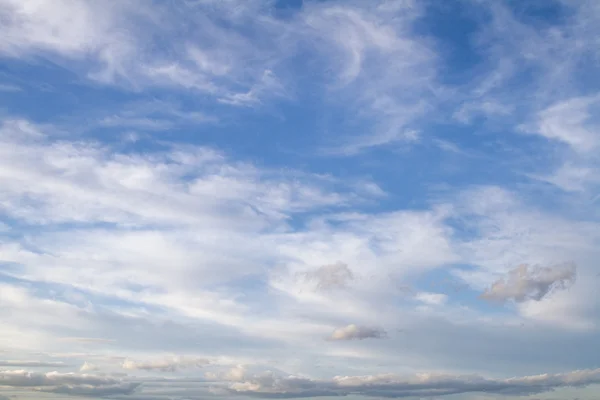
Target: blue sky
<point x="299" y="199"/>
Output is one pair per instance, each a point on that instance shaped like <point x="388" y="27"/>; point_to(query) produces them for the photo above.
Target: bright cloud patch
<point x="88" y="367"/>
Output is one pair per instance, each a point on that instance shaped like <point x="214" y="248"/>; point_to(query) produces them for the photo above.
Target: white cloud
<point x="133" y="186"/>
<point x="434" y="299"/>
<point x="165" y="365"/>
<point x="116" y="43"/>
<point x="382" y="65"/>
<point x="377" y="59"/>
<point x="137" y="123"/>
<point x="267" y="86"/>
<point x="468" y="111"/>
<point x="235" y="374"/>
<point x="44" y="25"/>
<point x="532" y="69"/>
<point x="153" y="116"/>
<point x="569" y="122"/>
<point x="161" y="205"/>
<point x="571" y="177"/>
<point x="320" y="246"/>
<point x="150" y="251"/>
<point x="354" y="332"/>
<point x="505" y="234"/>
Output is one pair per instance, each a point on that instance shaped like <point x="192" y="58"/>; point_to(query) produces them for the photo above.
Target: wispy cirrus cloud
<point x="567" y="122"/>
<point x="570" y="123"/>
<point x="378" y="61"/>
<point x="384" y="67"/>
<point x="92" y="38"/>
<point x="9" y="88"/>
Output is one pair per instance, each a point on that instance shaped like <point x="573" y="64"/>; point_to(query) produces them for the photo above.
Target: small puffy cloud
<point x="31" y="364"/>
<point x="433" y="299"/>
<point x="355" y="332"/>
<point x="235" y="374"/>
<point x="531" y="283"/>
<point x="88" y="367"/>
<point x="166" y="365"/>
<point x="331" y="276"/>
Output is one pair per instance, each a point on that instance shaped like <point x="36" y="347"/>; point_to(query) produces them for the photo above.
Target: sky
<point x="293" y="199"/>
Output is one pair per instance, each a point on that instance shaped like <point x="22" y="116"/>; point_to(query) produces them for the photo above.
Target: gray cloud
<point x="355" y="332"/>
<point x="89" y="340"/>
<point x="69" y="383"/>
<point x="89" y="390"/>
<point x="531" y="283"/>
<point x="331" y="276"/>
<point x="394" y="386"/>
<point x="31" y="364"/>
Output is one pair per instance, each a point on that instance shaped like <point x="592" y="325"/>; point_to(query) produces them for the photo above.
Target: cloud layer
<point x="393" y="386"/>
<point x="69" y="383"/>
